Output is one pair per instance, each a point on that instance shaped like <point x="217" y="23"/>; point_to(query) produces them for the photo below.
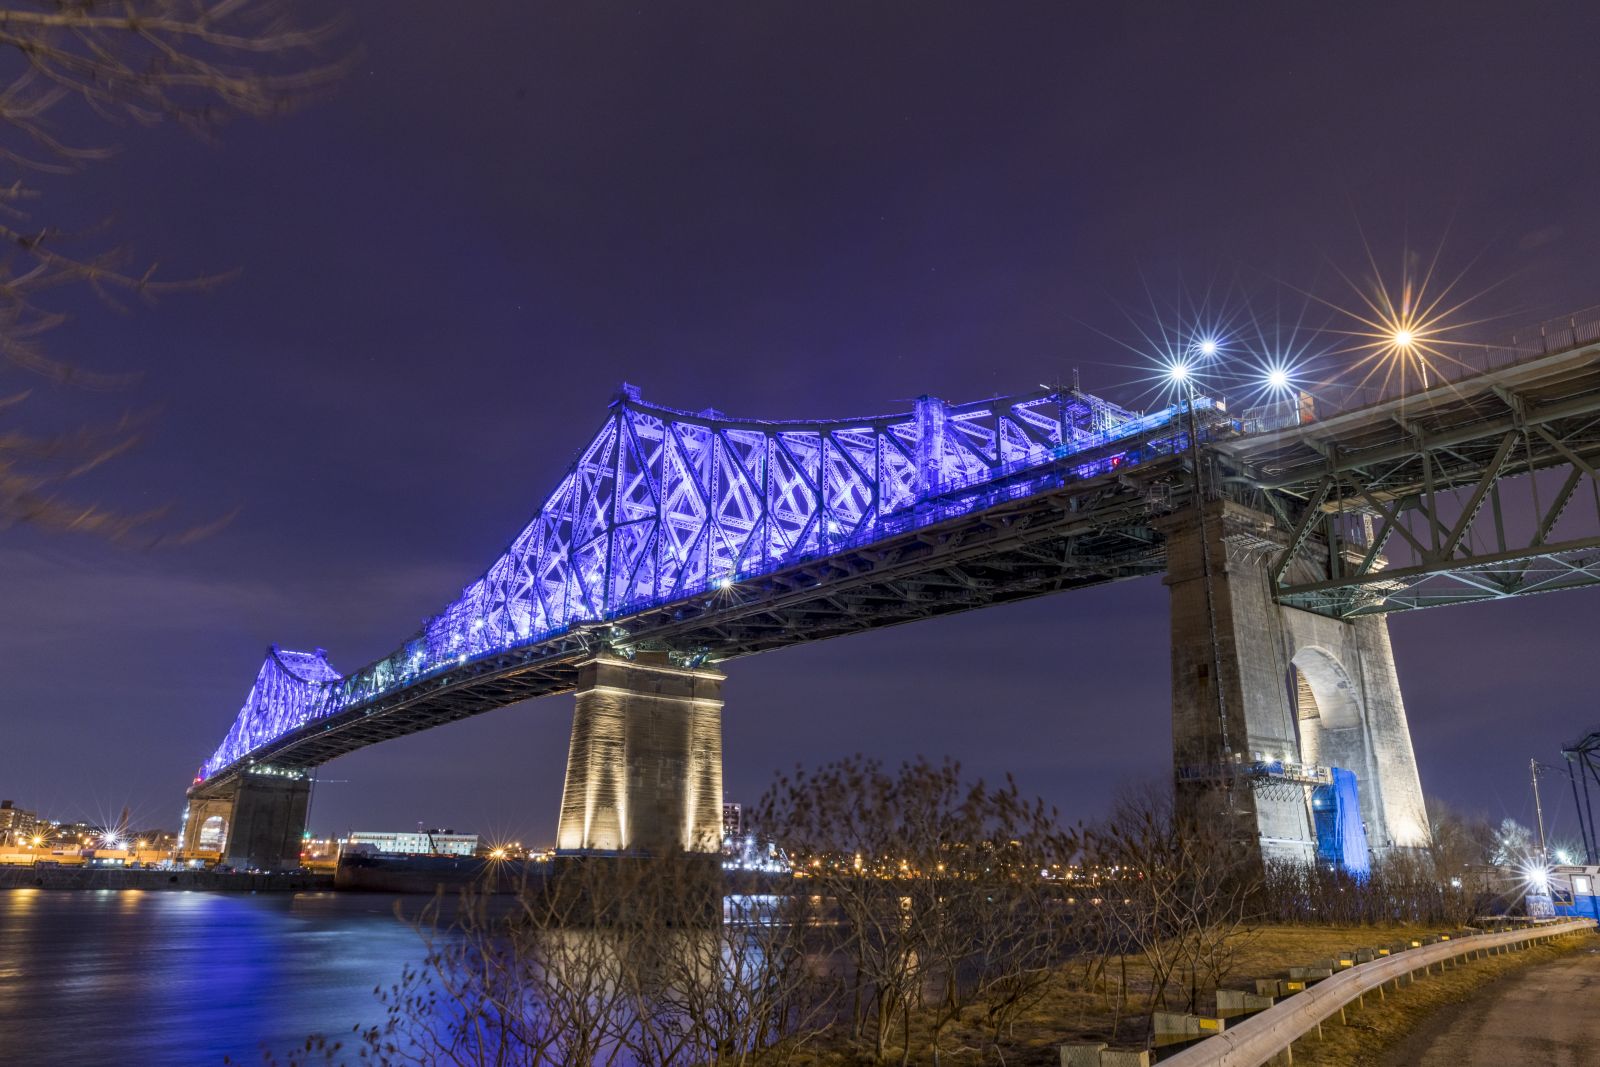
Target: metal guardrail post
<point x="1264" y="1037"/>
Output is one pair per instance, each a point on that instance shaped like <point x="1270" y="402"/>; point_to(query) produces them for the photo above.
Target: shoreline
<point x="99" y="878"/>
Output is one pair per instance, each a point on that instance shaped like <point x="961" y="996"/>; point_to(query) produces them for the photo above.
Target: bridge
<point x="679" y="541"/>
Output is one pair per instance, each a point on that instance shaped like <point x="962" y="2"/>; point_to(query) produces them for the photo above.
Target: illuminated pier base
<point x="1296" y="687"/>
<point x="644" y="773"/>
<point x="258" y="822"/>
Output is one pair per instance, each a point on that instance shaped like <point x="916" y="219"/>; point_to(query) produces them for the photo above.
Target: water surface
<point x="180" y="978"/>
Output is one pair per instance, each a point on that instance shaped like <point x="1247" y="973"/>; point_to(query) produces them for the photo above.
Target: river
<point x="182" y="978"/>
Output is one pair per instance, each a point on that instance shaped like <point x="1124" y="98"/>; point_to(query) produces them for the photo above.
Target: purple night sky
<point x="781" y="211"/>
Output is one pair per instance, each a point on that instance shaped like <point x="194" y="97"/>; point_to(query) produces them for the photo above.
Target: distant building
<point x="17" y="825"/>
<point x="732" y="820"/>
<point x="415" y="843"/>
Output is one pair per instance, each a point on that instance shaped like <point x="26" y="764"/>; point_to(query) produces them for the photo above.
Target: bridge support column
<point x="644" y="771"/>
<point x="1294" y="687"/>
<point x="263" y="819"/>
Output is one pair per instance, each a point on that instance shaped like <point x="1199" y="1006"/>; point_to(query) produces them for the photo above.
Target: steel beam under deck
<point x="1482" y="488"/>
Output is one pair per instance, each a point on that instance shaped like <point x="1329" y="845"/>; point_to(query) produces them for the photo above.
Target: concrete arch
<point x="1333" y="699"/>
<point x="212" y="835"/>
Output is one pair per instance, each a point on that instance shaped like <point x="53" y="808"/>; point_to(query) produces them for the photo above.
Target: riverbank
<point x="123" y="878"/>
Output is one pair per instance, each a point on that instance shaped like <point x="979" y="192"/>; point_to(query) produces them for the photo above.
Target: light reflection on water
<point x="104" y="977"/>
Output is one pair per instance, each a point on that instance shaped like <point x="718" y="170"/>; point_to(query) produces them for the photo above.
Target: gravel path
<point x="1547" y="1015"/>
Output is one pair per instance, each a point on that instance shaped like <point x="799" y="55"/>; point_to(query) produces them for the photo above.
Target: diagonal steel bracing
<point x="1479" y="489"/>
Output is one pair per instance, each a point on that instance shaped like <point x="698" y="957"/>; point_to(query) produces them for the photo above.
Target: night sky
<point x="780" y="210"/>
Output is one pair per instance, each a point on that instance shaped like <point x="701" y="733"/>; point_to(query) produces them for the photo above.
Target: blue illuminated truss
<point x="663" y="505"/>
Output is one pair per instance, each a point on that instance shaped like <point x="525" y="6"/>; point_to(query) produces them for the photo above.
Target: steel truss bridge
<point x="710" y="538"/>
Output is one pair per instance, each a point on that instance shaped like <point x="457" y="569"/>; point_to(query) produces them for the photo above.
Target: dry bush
<point x="1403" y="888"/>
<point x="604" y="962"/>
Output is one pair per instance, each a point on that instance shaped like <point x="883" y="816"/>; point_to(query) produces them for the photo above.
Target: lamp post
<point x="1181" y="374"/>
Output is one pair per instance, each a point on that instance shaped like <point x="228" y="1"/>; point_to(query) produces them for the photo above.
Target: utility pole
<point x="1538" y="811"/>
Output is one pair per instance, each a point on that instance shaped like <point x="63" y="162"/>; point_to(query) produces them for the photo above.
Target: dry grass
<point x="1071" y="1011"/>
<point x="1372" y="1030"/>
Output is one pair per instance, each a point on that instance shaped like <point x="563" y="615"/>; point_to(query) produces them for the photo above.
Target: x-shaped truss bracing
<point x="663" y="505"/>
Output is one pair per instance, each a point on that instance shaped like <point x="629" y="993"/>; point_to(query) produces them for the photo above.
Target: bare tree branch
<point x="87" y="63"/>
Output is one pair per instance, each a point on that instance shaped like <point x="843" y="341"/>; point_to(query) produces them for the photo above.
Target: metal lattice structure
<point x="664" y="507"/>
<point x="1476" y="489"/>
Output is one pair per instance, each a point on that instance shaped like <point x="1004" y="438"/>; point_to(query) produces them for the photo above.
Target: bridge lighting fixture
<point x="1207" y="347"/>
<point x="724" y="582"/>
<point x="1178" y="371"/>
<point x="1278" y="378"/>
<point x="1537" y="877"/>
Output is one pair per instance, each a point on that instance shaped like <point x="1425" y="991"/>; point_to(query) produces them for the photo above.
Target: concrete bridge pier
<point x="257" y="821"/>
<point x="1278" y="684"/>
<point x="644" y="771"/>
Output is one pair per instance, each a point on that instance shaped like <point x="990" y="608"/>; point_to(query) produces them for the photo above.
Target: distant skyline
<point x="786" y="211"/>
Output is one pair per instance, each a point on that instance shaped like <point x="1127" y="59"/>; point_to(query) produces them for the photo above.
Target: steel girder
<point x="664" y="507"/>
<point x="1060" y="530"/>
<point x="1478" y="489"/>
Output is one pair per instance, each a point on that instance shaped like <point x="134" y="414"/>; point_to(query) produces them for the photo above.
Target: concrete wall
<point x="1266" y="658"/>
<point x="1359" y="720"/>
<point x="269" y="821"/>
<point x="644" y="770"/>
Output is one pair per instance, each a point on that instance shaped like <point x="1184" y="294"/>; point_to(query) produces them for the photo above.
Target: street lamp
<point x="1180" y="374"/>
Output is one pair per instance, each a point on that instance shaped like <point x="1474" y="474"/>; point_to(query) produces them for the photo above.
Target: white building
<point x="418" y="843"/>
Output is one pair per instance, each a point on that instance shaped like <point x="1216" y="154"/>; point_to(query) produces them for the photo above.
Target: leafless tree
<point x="1172" y="889"/>
<point x="607" y="961"/>
<point x="942" y="890"/>
<point x="80" y="68"/>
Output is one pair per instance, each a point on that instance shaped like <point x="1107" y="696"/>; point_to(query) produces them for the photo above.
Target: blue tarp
<point x="1341" y="835"/>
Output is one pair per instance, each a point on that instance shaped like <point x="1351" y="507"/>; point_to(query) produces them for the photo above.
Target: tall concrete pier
<point x="1278" y="685"/>
<point x="644" y="771"/>
<point x="256" y="823"/>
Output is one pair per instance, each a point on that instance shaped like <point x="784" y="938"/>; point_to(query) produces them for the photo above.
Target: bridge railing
<point x="1462" y="360"/>
<point x="1267" y="1035"/>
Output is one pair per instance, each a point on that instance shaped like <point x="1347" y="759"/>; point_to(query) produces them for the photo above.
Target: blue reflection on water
<point x="186" y="978"/>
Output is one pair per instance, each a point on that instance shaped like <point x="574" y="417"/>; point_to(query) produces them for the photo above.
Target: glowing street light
<point x="1403" y="338"/>
<point x="1207" y="347"/>
<point x="1278" y="378"/>
<point x="1178" y="371"/>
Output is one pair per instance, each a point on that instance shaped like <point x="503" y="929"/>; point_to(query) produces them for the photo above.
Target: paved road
<point x="1548" y="1015"/>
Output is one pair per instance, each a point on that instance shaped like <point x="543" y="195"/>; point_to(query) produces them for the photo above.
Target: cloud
<point x="1545" y="235"/>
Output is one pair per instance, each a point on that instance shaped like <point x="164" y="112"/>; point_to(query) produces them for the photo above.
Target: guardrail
<point x="1268" y="1034"/>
